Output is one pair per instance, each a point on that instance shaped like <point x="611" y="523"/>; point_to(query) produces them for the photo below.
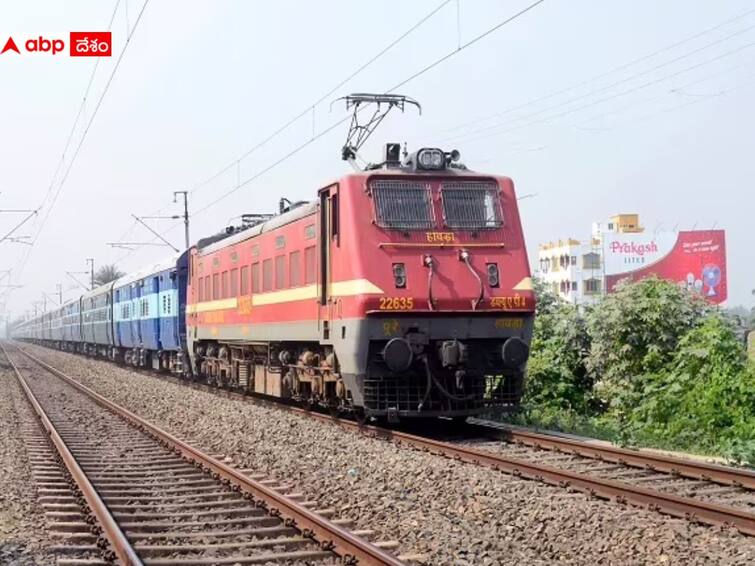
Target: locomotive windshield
<point x="471" y="206"/>
<point x="403" y="205"/>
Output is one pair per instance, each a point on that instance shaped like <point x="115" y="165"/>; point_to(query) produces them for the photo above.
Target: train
<point x="401" y="291"/>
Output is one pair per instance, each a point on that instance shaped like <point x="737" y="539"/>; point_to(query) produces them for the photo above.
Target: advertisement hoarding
<point x="695" y="259"/>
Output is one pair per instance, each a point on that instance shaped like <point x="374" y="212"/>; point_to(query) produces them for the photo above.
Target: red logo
<point x="91" y="44"/>
<point x="10" y="45"/>
<point x="43" y="45"/>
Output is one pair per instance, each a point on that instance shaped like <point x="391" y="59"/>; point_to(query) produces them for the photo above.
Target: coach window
<point x="216" y="286"/>
<point x="234" y="282"/>
<point x="245" y="280"/>
<point x="255" y="277"/>
<point x="280" y="272"/>
<point x="225" y="285"/>
<point x="267" y="275"/>
<point x="294" y="269"/>
<point x="207" y="289"/>
<point x="309" y="265"/>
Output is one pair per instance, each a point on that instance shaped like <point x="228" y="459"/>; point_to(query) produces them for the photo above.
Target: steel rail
<point x="687" y="508"/>
<point x="648" y="460"/>
<point x="691" y="509"/>
<point x="351" y="548"/>
<point x="118" y="541"/>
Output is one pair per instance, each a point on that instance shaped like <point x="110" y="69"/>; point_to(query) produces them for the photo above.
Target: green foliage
<point x="705" y="398"/>
<point x="556" y="375"/>
<point x="634" y="333"/>
<point x="649" y="365"/>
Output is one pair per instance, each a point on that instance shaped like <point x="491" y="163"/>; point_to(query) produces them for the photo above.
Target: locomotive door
<point x="328" y="243"/>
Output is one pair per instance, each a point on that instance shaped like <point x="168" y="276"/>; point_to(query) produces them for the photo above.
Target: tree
<point x="634" y="333"/>
<point x="106" y="274"/>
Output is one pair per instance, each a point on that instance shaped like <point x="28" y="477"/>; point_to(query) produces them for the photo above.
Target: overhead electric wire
<point x="307" y="110"/>
<point x="61" y="161"/>
<point x="419" y="73"/>
<point x="317" y="102"/>
<point x="602" y="74"/>
<point x="84" y="135"/>
<point x="675" y="90"/>
<point x="492" y="132"/>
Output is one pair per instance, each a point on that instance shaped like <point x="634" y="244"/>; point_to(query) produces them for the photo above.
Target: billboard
<point x="695" y="259"/>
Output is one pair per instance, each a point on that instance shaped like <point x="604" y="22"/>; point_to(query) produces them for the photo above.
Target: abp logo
<point x="82" y="44"/>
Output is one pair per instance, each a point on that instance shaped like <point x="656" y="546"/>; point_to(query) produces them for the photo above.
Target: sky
<point x="593" y="107"/>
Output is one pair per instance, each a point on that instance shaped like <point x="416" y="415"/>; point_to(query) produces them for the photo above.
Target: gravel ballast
<point x="447" y="511"/>
<point x="22" y="524"/>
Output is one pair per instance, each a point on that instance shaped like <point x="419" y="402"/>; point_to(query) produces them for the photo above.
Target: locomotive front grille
<point x="486" y="385"/>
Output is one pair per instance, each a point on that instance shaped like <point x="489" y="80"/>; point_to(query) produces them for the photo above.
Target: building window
<point x="591" y="261"/>
<point x="294" y="269"/>
<point x="309" y="265"/>
<point x="574" y="284"/>
<point x="592" y="286"/>
<point x="574" y="260"/>
<point x="245" y="280"/>
<point x="280" y="272"/>
<point x="234" y="282"/>
<point x="255" y="278"/>
<point x="216" y="286"/>
<point x="225" y="285"/>
<point x="267" y="275"/>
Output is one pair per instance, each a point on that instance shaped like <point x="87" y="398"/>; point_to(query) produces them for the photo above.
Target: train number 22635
<point x="396" y="303"/>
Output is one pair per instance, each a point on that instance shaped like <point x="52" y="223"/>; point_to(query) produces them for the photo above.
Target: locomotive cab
<point x="426" y="298"/>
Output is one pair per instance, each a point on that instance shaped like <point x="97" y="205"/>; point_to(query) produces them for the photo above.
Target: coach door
<point x="329" y="234"/>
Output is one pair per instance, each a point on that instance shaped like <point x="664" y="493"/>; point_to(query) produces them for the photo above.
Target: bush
<point x="649" y="365"/>
<point x="634" y="333"/>
<point x="556" y="375"/>
<point x="705" y="399"/>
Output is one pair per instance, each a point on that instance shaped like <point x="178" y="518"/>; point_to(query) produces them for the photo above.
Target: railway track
<point x="606" y="472"/>
<point x="692" y="490"/>
<point x="708" y="482"/>
<point x="155" y="500"/>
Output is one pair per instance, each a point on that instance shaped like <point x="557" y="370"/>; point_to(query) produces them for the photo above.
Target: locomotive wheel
<point x="360" y="416"/>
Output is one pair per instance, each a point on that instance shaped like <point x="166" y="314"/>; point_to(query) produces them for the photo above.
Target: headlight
<point x="493" y="277"/>
<point x="399" y="275"/>
<point x="430" y="159"/>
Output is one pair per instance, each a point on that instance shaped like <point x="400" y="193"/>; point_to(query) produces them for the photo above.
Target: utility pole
<point x="59" y="287"/>
<point x="185" y="194"/>
<point x="90" y="261"/>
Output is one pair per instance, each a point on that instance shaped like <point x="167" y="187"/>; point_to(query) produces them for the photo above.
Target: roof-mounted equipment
<point x="432" y="159"/>
<point x="360" y="132"/>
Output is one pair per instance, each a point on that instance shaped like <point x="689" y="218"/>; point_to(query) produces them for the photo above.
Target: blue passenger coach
<point x="139" y="319"/>
<point x="148" y="314"/>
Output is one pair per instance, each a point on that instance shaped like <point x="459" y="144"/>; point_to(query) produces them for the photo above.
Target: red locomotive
<point x="403" y="291"/>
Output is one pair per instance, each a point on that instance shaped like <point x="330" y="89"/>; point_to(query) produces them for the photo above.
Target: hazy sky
<point x="597" y="106"/>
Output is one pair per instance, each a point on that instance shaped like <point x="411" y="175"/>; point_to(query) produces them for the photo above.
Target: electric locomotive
<point x="402" y="291"/>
